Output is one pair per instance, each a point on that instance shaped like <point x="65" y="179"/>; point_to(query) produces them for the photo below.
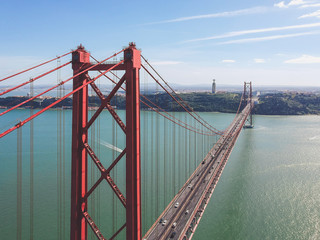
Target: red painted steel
<point x="79" y="162"/>
<point x="33" y="79"/>
<point x="80" y="147"/>
<point x="132" y="58"/>
<point x="34" y="67"/>
<point x="20" y="124"/>
<point x="85" y="68"/>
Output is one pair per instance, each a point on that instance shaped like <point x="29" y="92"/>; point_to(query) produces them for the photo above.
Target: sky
<point x="269" y="42"/>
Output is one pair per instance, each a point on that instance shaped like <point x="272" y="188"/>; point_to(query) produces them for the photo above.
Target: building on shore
<point x="214" y="86"/>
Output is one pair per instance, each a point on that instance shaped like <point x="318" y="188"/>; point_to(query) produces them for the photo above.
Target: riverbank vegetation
<point x="268" y="104"/>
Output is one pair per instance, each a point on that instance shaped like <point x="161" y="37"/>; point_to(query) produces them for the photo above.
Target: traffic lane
<point x="170" y="213"/>
<point x="159" y="229"/>
<point x="182" y="221"/>
<point x="184" y="218"/>
<point x="185" y="202"/>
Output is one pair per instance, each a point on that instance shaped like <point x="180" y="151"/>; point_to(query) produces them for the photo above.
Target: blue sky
<point x="268" y="42"/>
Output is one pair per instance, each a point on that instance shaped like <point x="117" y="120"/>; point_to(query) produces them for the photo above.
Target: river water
<point x="269" y="189"/>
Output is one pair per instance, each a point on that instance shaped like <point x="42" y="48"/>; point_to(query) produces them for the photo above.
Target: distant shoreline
<point x="225" y="102"/>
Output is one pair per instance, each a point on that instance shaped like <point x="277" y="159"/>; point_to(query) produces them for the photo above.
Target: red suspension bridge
<point x="171" y="162"/>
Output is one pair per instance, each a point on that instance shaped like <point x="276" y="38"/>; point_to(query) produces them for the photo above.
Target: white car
<point x="164" y="222"/>
<point x="176" y="205"/>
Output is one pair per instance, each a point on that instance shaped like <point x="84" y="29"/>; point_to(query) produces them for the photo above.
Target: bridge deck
<point x="181" y="217"/>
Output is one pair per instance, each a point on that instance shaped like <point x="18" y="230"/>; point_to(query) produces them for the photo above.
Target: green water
<point x="269" y="189"/>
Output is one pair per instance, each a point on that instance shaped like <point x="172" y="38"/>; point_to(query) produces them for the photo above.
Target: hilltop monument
<point x="214" y="86"/>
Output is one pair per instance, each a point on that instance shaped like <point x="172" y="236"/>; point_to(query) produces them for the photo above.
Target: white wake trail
<point x="108" y="145"/>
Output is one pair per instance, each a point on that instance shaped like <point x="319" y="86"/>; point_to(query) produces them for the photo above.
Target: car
<point x="174" y="225"/>
<point x="173" y="234"/>
<point x="186" y="212"/>
<point x="161" y="220"/>
<point x="164" y="222"/>
<point x="189" y="186"/>
<point x="176" y="205"/>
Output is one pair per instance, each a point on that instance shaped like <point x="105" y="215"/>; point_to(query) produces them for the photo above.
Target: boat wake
<point x="108" y="145"/>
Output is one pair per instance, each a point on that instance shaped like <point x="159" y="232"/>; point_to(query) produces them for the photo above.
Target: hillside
<point x="269" y="104"/>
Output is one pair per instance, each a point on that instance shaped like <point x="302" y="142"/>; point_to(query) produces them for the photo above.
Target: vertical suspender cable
<point x="147" y="150"/>
<point x="186" y="148"/>
<point x="97" y="173"/>
<point x="152" y="169"/>
<point x="144" y="148"/>
<point x="202" y="140"/>
<point x="174" y="157"/>
<point x="179" y="153"/>
<point x="97" y="170"/>
<point x="170" y="161"/>
<point x="165" y="142"/>
<point x="31" y="166"/>
<point x="63" y="169"/>
<point x="189" y="148"/>
<point x="195" y="147"/>
<point x="19" y="183"/>
<point x="157" y="158"/>
<point x="92" y="167"/>
<point x="59" y="160"/>
<point x="113" y="177"/>
<point x="116" y="169"/>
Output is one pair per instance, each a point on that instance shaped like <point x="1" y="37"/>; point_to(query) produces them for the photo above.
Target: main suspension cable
<point x="215" y="131"/>
<point x="157" y="107"/>
<point x="61" y="83"/>
<point x="186" y="104"/>
<point x="33" y="79"/>
<point x="20" y="124"/>
<point x="35" y="66"/>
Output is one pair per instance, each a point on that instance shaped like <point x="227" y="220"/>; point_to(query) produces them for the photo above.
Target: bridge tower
<point x="247" y="98"/>
<point x="80" y="217"/>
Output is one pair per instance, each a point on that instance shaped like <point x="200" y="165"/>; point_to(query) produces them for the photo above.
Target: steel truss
<point x="131" y="200"/>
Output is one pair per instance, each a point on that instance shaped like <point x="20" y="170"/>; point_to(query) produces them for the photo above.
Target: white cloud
<point x="280" y="5"/>
<point x="215" y="15"/>
<point x="228" y="61"/>
<point x="260" y="39"/>
<point x="259" y="60"/>
<point x="310" y="5"/>
<point x="244" y="32"/>
<point x="165" y="63"/>
<point x="291" y="3"/>
<point x="304" y="59"/>
<point x="296" y="2"/>
<point x="313" y="14"/>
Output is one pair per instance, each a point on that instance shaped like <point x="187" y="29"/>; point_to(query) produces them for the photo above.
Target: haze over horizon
<point x="266" y="42"/>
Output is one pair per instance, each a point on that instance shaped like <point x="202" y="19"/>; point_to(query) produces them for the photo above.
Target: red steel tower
<point x="80" y="217"/>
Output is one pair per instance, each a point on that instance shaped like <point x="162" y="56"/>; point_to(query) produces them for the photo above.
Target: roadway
<point x="183" y="213"/>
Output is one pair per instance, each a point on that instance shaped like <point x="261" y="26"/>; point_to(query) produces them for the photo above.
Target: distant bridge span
<point x="181" y="218"/>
